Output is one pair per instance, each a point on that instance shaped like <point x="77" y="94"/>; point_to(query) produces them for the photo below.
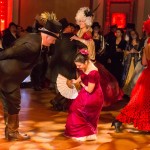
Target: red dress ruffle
<point x="137" y="110"/>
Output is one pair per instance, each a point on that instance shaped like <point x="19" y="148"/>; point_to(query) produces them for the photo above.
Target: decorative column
<point x="140" y="16"/>
<point x="16" y="10"/>
<point x="99" y="13"/>
<point x="131" y="10"/>
<point x="107" y="22"/>
<point x="3" y="14"/>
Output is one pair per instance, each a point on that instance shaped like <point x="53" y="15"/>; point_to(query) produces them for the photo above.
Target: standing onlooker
<point x="9" y="35"/>
<point x="1" y="47"/>
<point x="129" y="28"/>
<point x="99" y="42"/>
<point x="131" y="58"/>
<point x="139" y="67"/>
<point x="116" y="59"/>
<point x="110" y="39"/>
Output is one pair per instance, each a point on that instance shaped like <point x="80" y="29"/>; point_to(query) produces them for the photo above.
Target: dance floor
<point x="46" y="126"/>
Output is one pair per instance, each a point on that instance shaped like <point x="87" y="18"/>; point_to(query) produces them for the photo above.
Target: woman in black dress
<point x="117" y="56"/>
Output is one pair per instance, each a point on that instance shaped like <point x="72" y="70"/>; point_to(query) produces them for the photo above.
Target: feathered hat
<point x="85" y="14"/>
<point x="64" y="23"/>
<point x="52" y="26"/>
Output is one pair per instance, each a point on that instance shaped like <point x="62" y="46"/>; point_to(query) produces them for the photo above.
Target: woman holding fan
<point x="85" y="110"/>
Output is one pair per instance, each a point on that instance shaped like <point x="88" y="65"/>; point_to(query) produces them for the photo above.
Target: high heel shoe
<point x="117" y="124"/>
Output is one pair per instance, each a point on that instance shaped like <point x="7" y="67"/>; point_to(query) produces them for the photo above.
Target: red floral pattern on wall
<point x="108" y="15"/>
<point x="119" y="19"/>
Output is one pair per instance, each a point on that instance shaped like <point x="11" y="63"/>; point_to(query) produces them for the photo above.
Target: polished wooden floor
<point x="46" y="126"/>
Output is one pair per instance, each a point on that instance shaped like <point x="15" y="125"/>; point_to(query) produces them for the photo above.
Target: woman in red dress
<point x="85" y="110"/>
<point x="137" y="111"/>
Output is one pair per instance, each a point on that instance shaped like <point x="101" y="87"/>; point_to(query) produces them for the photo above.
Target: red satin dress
<point x="85" y="110"/>
<point x="137" y="111"/>
<point x="110" y="87"/>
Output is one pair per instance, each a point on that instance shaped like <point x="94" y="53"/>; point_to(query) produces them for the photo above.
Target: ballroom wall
<point x="63" y="8"/>
<point x="141" y="9"/>
<point x="24" y="11"/>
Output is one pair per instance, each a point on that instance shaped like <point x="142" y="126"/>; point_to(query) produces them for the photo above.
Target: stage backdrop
<point x="63" y="8"/>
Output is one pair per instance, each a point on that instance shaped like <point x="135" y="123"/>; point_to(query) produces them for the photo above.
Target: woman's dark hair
<point x="12" y="24"/>
<point x="121" y="30"/>
<point x="137" y="36"/>
<point x="81" y="58"/>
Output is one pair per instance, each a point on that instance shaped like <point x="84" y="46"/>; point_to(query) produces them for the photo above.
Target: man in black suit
<point x="62" y="61"/>
<point x="16" y="64"/>
<point x="110" y="40"/>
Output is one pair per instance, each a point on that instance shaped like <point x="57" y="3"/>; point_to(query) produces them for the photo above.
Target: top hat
<point x="96" y="24"/>
<point x="52" y="27"/>
<point x="113" y="26"/>
<point x="130" y="26"/>
<point x="12" y="24"/>
<point x="64" y="23"/>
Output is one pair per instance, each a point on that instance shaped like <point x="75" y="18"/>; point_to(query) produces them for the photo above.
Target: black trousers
<point x="38" y="74"/>
<point x="11" y="101"/>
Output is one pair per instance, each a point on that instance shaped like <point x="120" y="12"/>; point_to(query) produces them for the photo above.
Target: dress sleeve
<point x="87" y="35"/>
<point x="93" y="76"/>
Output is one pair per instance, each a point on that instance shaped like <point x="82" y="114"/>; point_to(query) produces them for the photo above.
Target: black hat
<point x="52" y="27"/>
<point x="96" y="24"/>
<point x="113" y="26"/>
<point x="72" y="25"/>
<point x="29" y="29"/>
<point x="12" y="24"/>
<point x="64" y="23"/>
<point x="130" y="26"/>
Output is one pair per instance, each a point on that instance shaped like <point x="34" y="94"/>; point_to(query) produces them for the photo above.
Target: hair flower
<point x="83" y="51"/>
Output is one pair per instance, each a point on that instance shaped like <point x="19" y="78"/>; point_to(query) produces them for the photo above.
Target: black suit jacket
<point x="62" y="60"/>
<point x="17" y="61"/>
<point x="8" y="39"/>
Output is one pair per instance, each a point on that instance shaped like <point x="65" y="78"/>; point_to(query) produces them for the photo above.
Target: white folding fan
<point x="64" y="89"/>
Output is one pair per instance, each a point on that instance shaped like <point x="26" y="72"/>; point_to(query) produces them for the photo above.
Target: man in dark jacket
<point x="16" y="64"/>
<point x="62" y="61"/>
<point x="110" y="40"/>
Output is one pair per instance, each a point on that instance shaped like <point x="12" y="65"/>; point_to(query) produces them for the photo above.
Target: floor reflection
<point x="46" y="128"/>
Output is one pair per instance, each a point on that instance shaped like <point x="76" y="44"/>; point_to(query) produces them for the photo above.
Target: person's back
<point x="63" y="58"/>
<point x="18" y="61"/>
